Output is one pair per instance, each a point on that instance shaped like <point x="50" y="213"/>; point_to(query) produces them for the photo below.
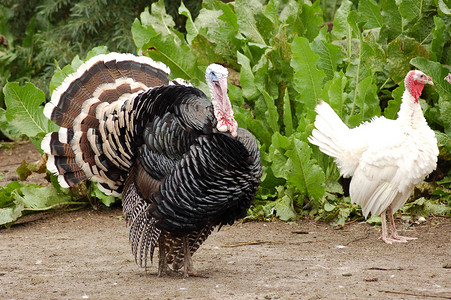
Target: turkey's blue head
<point x="216" y="77"/>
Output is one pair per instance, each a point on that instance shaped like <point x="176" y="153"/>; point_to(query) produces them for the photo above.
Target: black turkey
<point x="180" y="162"/>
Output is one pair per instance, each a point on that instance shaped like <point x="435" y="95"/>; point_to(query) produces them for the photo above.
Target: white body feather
<point x="386" y="158"/>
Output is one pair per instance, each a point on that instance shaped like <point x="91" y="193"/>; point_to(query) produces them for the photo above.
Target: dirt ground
<point x="86" y="255"/>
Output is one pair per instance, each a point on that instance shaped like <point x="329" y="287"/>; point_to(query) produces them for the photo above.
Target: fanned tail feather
<point x="329" y="130"/>
<point x="94" y="107"/>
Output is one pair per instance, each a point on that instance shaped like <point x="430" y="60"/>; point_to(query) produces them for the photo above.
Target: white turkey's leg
<point x="384" y="235"/>
<point x="394" y="233"/>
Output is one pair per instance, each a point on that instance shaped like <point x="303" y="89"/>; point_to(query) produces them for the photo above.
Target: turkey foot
<point x="394" y="237"/>
<point x="163" y="267"/>
<point x="384" y="236"/>
<point x="394" y="234"/>
<point x="188" y="261"/>
<point x="401" y="239"/>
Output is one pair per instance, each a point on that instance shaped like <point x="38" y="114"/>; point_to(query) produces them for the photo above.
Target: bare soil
<point x="86" y="255"/>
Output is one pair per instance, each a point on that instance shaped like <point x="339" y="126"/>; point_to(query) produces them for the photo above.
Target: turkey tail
<point x="329" y="132"/>
<point x="94" y="107"/>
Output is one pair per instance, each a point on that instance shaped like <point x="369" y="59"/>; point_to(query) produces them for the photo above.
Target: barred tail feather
<point x="143" y="234"/>
<point x="61" y="160"/>
<point x="94" y="108"/>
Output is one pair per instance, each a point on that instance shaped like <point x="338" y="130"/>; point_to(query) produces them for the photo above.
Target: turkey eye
<point x="213" y="77"/>
<point x="421" y="75"/>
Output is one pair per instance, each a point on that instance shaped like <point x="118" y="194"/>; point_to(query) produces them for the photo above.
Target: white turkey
<point x="448" y="77"/>
<point x="180" y="162"/>
<point x="386" y="158"/>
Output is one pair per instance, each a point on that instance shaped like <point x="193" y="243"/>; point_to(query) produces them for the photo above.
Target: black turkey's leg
<point x="187" y="260"/>
<point x="163" y="268"/>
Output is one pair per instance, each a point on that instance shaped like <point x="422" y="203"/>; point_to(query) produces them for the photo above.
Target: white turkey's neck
<point x="410" y="114"/>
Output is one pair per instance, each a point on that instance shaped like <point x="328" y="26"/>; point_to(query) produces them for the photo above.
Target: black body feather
<point x="158" y="146"/>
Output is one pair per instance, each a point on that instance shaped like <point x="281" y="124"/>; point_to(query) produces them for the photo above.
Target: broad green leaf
<point x="23" y="108"/>
<point x="259" y="129"/>
<point x="311" y="17"/>
<point x="236" y="96"/>
<point x="341" y="26"/>
<point x="10" y="214"/>
<point x="371" y="11"/>
<point x="142" y="33"/>
<point x="330" y="55"/>
<point x="446" y="9"/>
<point x="6" y="193"/>
<point x="437" y="72"/>
<point x="247" y="12"/>
<point x="334" y="93"/>
<point x="21" y="198"/>
<point x="358" y="64"/>
<point x="445" y="111"/>
<point x="218" y="24"/>
<point x="422" y="207"/>
<point x="96" y="51"/>
<point x="307" y="79"/>
<point x="353" y="21"/>
<point x="282" y="208"/>
<point x="366" y="101"/>
<point x="178" y="57"/>
<point x="205" y="51"/>
<point x="441" y="35"/>
<point x="76" y="62"/>
<point x="191" y="30"/>
<point x="328" y="206"/>
<point x="161" y="22"/>
<point x="392" y="18"/>
<point x="247" y="78"/>
<point x="444" y="140"/>
<point x="59" y="76"/>
<point x="373" y="56"/>
<point x="37" y="139"/>
<point x="290" y="17"/>
<point x="305" y="174"/>
<point x="391" y="111"/>
<point x="279" y="144"/>
<point x="9" y="131"/>
<point x="35" y="197"/>
<point x="399" y="54"/>
<point x="157" y="39"/>
<point x="272" y="10"/>
<point x="410" y="9"/>
<point x="107" y="200"/>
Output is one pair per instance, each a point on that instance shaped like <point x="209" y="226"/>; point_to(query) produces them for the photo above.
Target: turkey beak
<point x="428" y="80"/>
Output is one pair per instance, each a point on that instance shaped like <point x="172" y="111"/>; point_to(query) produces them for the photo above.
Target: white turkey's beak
<point x="428" y="80"/>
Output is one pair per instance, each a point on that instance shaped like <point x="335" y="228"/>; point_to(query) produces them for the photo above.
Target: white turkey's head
<point x="216" y="77"/>
<point x="415" y="81"/>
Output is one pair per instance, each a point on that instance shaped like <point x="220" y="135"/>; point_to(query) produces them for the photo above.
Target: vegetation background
<point x="283" y="56"/>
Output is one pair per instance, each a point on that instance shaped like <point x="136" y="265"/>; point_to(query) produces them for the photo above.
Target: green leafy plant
<point x="24" y="115"/>
<point x="284" y="57"/>
<point x="17" y="200"/>
<point x="287" y="61"/>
